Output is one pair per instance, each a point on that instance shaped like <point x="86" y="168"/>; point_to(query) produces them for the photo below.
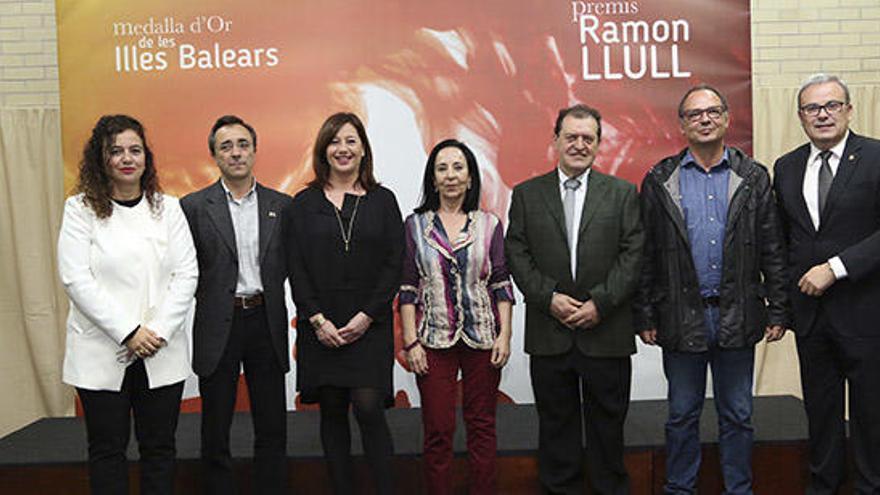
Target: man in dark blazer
<point x="579" y="331"/>
<point x="828" y="192"/>
<point x="241" y="316"/>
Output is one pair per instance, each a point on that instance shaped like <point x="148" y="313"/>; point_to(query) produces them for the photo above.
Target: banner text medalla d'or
<point x="155" y="42"/>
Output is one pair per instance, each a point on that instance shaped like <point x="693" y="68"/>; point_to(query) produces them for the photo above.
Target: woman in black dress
<point x="347" y="243"/>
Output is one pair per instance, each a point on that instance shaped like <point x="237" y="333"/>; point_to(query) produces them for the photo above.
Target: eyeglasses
<point x="814" y="109"/>
<point x="696" y="114"/>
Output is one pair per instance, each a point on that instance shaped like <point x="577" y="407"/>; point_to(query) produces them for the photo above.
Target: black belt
<point x="248" y="302"/>
<point x="711" y="301"/>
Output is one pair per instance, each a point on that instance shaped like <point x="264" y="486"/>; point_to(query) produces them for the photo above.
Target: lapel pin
<point x="272" y="214"/>
<point x="852" y="157"/>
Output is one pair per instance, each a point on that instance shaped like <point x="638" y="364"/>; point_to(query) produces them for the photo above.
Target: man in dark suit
<point x="241" y="317"/>
<point x="573" y="246"/>
<point x="829" y="195"/>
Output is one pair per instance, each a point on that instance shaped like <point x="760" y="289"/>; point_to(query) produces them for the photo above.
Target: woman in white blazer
<point x="127" y="261"/>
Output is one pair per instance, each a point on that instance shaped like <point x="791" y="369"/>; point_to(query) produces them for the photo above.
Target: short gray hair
<point x="821" y="78"/>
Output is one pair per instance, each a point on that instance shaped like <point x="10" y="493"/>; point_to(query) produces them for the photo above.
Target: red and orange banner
<point x="492" y="73"/>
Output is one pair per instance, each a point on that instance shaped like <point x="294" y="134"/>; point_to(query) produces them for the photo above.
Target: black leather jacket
<point x="752" y="292"/>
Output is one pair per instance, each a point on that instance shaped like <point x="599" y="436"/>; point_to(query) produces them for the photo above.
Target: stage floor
<point x="63" y="440"/>
<point x="55" y="448"/>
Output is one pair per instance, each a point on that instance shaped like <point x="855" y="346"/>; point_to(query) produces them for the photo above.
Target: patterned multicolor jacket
<point x="456" y="285"/>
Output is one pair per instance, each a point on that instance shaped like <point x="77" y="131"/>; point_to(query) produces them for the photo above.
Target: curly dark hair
<point x="94" y="179"/>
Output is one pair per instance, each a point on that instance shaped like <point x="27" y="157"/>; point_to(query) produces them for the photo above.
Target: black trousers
<point x="827" y="359"/>
<point x="571" y="389"/>
<point x="250" y="345"/>
<point x="108" y="428"/>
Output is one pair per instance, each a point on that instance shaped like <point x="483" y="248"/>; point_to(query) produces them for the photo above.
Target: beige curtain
<point x="776" y="131"/>
<point x="32" y="303"/>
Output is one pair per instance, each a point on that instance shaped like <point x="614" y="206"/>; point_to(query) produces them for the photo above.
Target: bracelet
<point x="412" y="345"/>
<point x="317" y="320"/>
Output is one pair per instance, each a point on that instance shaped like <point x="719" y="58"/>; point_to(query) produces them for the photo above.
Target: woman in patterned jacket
<point x="455" y="306"/>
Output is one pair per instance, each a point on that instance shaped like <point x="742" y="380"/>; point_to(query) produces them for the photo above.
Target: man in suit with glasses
<point x="828" y="192"/>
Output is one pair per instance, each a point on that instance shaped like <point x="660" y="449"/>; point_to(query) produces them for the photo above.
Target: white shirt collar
<point x="836" y="150"/>
<point x="250" y="191"/>
<point x="563" y="177"/>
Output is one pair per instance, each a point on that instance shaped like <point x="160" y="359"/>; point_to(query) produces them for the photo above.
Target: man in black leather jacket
<point x="712" y="286"/>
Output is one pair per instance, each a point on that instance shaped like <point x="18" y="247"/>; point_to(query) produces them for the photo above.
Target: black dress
<point x="338" y="283"/>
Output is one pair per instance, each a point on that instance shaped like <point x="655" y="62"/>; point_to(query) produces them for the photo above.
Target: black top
<point x="128" y="203"/>
<point x="328" y="279"/>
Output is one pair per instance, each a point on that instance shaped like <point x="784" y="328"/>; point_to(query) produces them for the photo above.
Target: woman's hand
<point x="417" y="360"/>
<point x="144" y="343"/>
<point x="328" y="335"/>
<point x="500" y="352"/>
<point x="356" y="327"/>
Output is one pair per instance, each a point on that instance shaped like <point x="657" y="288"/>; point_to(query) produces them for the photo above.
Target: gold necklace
<point x="346" y="236"/>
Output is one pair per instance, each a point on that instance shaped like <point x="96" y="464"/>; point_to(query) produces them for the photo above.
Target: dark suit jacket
<point x="849" y="228"/>
<point x="211" y="224"/>
<point x="609" y="252"/>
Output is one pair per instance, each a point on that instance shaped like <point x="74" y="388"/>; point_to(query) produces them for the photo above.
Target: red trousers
<point x="438" y="390"/>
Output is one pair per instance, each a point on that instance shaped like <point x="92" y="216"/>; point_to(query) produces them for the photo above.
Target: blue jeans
<point x="732" y="371"/>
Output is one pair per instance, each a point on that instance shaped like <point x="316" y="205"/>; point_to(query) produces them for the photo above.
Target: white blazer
<point x="133" y="268"/>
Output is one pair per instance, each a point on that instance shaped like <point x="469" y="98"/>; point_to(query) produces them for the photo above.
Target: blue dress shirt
<point x="704" y="201"/>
